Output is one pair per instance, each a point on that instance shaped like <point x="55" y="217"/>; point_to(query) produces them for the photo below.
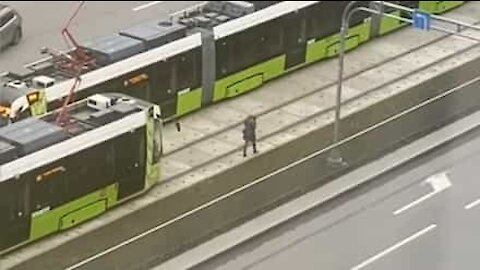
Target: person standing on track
<point x="249" y="129"/>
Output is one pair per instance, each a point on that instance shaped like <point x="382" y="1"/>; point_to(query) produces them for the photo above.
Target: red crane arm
<point x="79" y="61"/>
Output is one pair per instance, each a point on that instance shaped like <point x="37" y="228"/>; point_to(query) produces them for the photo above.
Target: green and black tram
<point x="55" y="176"/>
<point x="209" y="55"/>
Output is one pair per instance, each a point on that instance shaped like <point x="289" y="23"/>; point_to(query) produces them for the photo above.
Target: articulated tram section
<point x="397" y="88"/>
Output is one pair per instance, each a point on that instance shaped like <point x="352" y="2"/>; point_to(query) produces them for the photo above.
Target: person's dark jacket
<point x="249" y="130"/>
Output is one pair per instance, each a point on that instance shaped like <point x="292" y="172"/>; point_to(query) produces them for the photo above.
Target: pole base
<point x="336" y="161"/>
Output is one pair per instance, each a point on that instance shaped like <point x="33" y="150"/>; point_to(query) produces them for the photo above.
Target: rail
<point x="322" y="112"/>
<point x="316" y="90"/>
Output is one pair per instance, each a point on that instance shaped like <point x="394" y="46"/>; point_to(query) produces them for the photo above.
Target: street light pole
<point x="335" y="156"/>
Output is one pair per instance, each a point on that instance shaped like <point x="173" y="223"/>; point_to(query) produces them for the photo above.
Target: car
<point x="10" y="27"/>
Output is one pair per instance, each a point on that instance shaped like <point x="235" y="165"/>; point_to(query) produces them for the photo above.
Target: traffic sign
<point x="421" y="20"/>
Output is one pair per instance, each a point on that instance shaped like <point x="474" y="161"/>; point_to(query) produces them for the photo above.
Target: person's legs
<point x="245" y="145"/>
<point x="254" y="144"/>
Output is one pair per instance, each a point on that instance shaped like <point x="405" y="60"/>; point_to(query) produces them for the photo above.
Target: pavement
<point x="423" y="215"/>
<point x="44" y="20"/>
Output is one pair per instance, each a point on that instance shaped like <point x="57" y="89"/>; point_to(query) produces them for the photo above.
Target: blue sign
<point x="421" y="20"/>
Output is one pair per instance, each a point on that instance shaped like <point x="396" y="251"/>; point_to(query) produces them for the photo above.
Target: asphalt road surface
<point x="424" y="215"/>
<point x="44" y="20"/>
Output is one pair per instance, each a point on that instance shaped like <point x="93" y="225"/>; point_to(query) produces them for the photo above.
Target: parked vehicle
<point x="10" y="27"/>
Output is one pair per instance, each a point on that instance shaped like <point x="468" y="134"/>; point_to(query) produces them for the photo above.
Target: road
<point x="424" y="215"/>
<point x="43" y="21"/>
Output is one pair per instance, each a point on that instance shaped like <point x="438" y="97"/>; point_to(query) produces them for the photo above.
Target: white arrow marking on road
<point x="439" y="183"/>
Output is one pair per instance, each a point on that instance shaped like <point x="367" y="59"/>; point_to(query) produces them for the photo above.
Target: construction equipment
<point x="74" y="63"/>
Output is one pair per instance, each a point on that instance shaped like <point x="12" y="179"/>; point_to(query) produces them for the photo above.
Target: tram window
<point x="186" y="69"/>
<point x="160" y="82"/>
<point x="184" y="64"/>
<point x="49" y="186"/>
<point x="222" y="57"/>
<point x="292" y="28"/>
<point x="359" y="17"/>
<point x="7" y="202"/>
<point x="93" y="170"/>
<point x="242" y="51"/>
<point x="251" y="46"/>
<point x="245" y="48"/>
<point x="197" y="67"/>
<point x="270" y="40"/>
<point x="324" y="19"/>
<point x="163" y="72"/>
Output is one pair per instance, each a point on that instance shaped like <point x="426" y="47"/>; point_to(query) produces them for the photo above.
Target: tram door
<point x="163" y="90"/>
<point x="14" y="216"/>
<point x="294" y="39"/>
<point x="130" y="162"/>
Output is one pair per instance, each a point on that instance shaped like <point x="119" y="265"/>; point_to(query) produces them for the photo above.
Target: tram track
<point x="326" y="110"/>
<point x="346" y="78"/>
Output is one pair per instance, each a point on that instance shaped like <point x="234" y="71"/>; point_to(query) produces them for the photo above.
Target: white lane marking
<point x="414" y="203"/>
<point x="439" y="183"/>
<point x="472" y="204"/>
<point x="396" y="246"/>
<point x="147" y="5"/>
